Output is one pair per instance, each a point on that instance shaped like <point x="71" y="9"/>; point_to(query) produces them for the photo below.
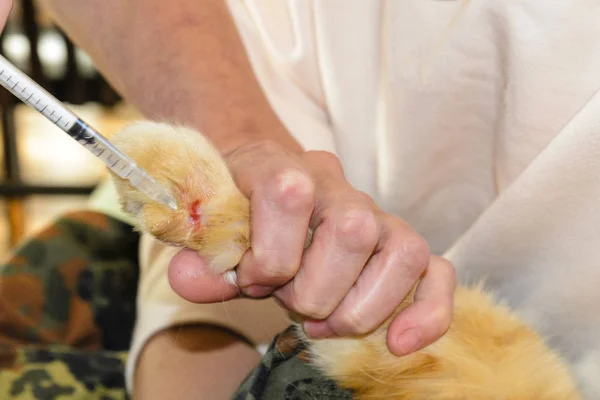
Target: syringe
<point x="32" y="94"/>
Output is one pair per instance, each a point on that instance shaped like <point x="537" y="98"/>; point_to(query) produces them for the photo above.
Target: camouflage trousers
<point x="67" y="311"/>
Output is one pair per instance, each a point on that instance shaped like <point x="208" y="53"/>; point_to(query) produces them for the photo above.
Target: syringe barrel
<point x="32" y="94"/>
<point x="35" y="96"/>
<point x="43" y="102"/>
<point x="116" y="161"/>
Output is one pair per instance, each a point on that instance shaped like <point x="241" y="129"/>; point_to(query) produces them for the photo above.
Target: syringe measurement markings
<point x="65" y="123"/>
<point x="51" y="115"/>
<point x="48" y="108"/>
<point x="102" y="149"/>
<point x="123" y="167"/>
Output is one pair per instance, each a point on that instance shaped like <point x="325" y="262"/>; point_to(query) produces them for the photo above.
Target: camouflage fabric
<point x="67" y="309"/>
<point x="285" y="374"/>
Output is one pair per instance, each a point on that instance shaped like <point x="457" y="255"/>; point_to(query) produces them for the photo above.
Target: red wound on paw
<point x="194" y="210"/>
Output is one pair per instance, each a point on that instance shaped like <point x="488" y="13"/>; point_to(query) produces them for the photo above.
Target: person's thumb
<point x="193" y="280"/>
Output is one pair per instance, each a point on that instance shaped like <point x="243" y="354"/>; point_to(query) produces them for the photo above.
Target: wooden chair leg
<point x="16" y="220"/>
<point x="15" y="204"/>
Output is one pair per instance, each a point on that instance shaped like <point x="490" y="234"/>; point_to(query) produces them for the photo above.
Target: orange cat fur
<point x="487" y="353"/>
<point x="212" y="216"/>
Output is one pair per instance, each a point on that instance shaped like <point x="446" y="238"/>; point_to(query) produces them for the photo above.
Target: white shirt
<point x="477" y="122"/>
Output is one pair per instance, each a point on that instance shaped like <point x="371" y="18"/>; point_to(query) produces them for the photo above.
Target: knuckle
<point x="309" y="307"/>
<point x="357" y="226"/>
<point x="412" y="252"/>
<point x="355" y="323"/>
<point x="294" y="189"/>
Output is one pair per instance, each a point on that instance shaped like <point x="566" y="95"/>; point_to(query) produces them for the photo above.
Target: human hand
<point x="360" y="265"/>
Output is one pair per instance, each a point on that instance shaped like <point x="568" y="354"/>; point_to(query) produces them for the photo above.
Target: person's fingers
<point x="399" y="260"/>
<point x="282" y="198"/>
<point x="328" y="282"/>
<point x="429" y="317"/>
<point x="5" y="8"/>
<point x="341" y="245"/>
<point x="191" y="279"/>
<point x="346" y="233"/>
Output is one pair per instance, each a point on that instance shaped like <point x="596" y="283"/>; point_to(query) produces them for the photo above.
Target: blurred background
<point x="43" y="172"/>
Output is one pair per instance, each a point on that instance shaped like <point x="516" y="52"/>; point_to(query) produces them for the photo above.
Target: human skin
<point x="183" y="61"/>
<point x="5" y="7"/>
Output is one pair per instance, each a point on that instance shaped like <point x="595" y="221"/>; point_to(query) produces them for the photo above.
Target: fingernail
<point x="231" y="277"/>
<point x="259" y="290"/>
<point x="408" y="341"/>
<point x="317" y="329"/>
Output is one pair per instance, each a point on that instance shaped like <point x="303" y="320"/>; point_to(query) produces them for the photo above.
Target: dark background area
<point x="35" y="45"/>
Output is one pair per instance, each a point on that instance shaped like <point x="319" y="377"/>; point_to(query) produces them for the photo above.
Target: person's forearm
<point x="179" y="60"/>
<point x="193" y="362"/>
